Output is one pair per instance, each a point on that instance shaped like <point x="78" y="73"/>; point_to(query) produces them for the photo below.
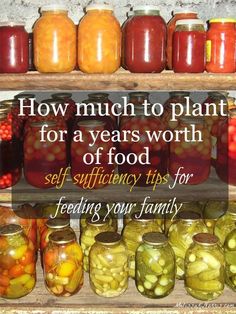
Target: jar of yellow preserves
<point x="213" y="210"/>
<point x="54" y="40"/>
<point x="87" y="238"/>
<point x="180" y="236"/>
<point x="230" y="259"/>
<point x="108" y="262"/>
<point x="99" y="40"/>
<point x="133" y="233"/>
<point x="205" y="267"/>
<point x="155" y="266"/>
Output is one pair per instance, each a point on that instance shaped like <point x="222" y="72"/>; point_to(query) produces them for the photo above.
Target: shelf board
<point x="121" y="80"/>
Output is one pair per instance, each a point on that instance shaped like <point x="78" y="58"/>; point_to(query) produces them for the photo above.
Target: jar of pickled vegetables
<point x="108" y="260"/>
<point x="54" y="40"/>
<point x="180" y="236"/>
<point x="17" y="263"/>
<point x="87" y="237"/>
<point x="193" y="156"/>
<point x="205" y="268"/>
<point x="230" y="259"/>
<point x="155" y="266"/>
<point x="133" y="233"/>
<point x="226" y="223"/>
<point x="99" y="40"/>
<point x="213" y="210"/>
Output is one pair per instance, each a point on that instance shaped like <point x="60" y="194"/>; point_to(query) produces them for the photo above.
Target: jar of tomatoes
<point x="54" y="40"/>
<point x="63" y="264"/>
<point x="14" y="50"/>
<point x="221" y="46"/>
<point x="17" y="263"/>
<point x="64" y="99"/>
<point x="99" y="40"/>
<point x="43" y="158"/>
<point x="181" y="14"/>
<point x="189" y="43"/>
<point x="27" y="99"/>
<point x="194" y="157"/>
<point x="145" y="40"/>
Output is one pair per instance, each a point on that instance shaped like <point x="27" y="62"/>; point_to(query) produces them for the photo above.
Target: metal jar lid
<point x="24" y="95"/>
<point x="205" y="239"/>
<point x="57" y="223"/>
<point x="98" y="223"/>
<point x="144" y="217"/>
<point x="61" y="96"/>
<point x="154" y="238"/>
<point x="108" y="238"/>
<point x="9" y="103"/>
<point x="91" y="123"/>
<point x="63" y="236"/>
<point x="11" y="229"/>
<point x="39" y="124"/>
<point x="188" y="216"/>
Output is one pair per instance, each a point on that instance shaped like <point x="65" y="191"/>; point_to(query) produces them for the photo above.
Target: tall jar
<point x="87" y="237"/>
<point x="213" y="210"/>
<point x="194" y="157"/>
<point x="133" y="232"/>
<point x="14" y="50"/>
<point x="205" y="268"/>
<point x="230" y="259"/>
<point x="189" y="43"/>
<point x="221" y="46"/>
<point x="155" y="266"/>
<point x="145" y="40"/>
<point x="181" y="14"/>
<point x="17" y="263"/>
<point x="54" y="36"/>
<point x="27" y="100"/>
<point x="63" y="264"/>
<point x="99" y="40"/>
<point x="108" y="260"/>
<point x="42" y="159"/>
<point x="180" y="236"/>
<point x="226" y="223"/>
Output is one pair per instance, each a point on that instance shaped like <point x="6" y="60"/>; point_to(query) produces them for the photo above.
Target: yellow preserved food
<point x="54" y="41"/>
<point x="99" y="40"/>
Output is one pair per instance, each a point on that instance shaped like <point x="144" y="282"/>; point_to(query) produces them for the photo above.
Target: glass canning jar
<point x="213" y="210"/>
<point x="66" y="98"/>
<point x="63" y="264"/>
<point x="155" y="266"/>
<point x="230" y="259"/>
<point x="17" y="263"/>
<point x="133" y="232"/>
<point x="205" y="268"/>
<point x="108" y="260"/>
<point x="180" y="236"/>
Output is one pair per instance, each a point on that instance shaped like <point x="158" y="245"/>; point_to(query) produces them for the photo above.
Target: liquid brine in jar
<point x="230" y="259"/>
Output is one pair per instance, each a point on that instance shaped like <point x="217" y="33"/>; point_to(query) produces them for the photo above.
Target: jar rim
<point x="24" y="95"/>
<point x="53" y="7"/>
<point x="91" y="123"/>
<point x="61" y="96"/>
<point x="184" y="10"/>
<point x="154" y="238"/>
<point x="108" y="238"/>
<point x="10" y="229"/>
<point x="190" y="22"/>
<point x="62" y="237"/>
<point x="222" y="20"/>
<point x="206" y="239"/>
<point x="146" y="8"/>
<point x="12" y="23"/>
<point x="57" y="223"/>
<point x="99" y="6"/>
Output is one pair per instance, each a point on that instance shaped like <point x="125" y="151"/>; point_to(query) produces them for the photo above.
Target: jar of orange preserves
<point x="54" y="40"/>
<point x="99" y="40"/>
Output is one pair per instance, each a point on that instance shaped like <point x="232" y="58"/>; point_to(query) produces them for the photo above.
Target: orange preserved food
<point x="99" y="40"/>
<point x="54" y="41"/>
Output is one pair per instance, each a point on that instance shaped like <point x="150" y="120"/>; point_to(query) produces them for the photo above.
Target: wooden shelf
<point x="120" y="81"/>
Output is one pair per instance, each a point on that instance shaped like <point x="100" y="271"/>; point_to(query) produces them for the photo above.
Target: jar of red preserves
<point x="221" y="46"/>
<point x="181" y="14"/>
<point x="14" y="48"/>
<point x="27" y="100"/>
<point x="189" y="43"/>
<point x="145" y="40"/>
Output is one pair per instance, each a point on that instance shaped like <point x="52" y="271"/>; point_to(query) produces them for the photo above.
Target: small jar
<point x="213" y="210"/>
<point x="87" y="237"/>
<point x="155" y="266"/>
<point x="108" y="260"/>
<point x="14" y="48"/>
<point x="17" y="263"/>
<point x="63" y="264"/>
<point x="221" y="46"/>
<point x="226" y="223"/>
<point x="180" y="236"/>
<point x="133" y="232"/>
<point x="205" y="268"/>
<point x="189" y="46"/>
<point x="230" y="259"/>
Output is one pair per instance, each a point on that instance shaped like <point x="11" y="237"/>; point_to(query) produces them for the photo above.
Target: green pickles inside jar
<point x="204" y="267"/>
<point x="155" y="266"/>
<point x="230" y="259"/>
<point x="213" y="210"/>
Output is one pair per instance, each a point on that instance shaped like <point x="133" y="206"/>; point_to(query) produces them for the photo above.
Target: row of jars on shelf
<point x="189" y="251"/>
<point x="144" y="44"/>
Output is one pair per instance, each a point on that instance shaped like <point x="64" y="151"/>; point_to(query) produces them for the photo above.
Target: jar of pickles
<point x="193" y="156"/>
<point x="205" y="267"/>
<point x="17" y="263"/>
<point x="213" y="210"/>
<point x="133" y="233"/>
<point x="155" y="266"/>
<point x="180" y="236"/>
<point x="87" y="238"/>
<point x="54" y="36"/>
<point x="108" y="260"/>
<point x="230" y="259"/>
<point x="99" y="40"/>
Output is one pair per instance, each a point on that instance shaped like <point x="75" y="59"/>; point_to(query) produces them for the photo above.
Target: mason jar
<point x="230" y="259"/>
<point x="213" y="210"/>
